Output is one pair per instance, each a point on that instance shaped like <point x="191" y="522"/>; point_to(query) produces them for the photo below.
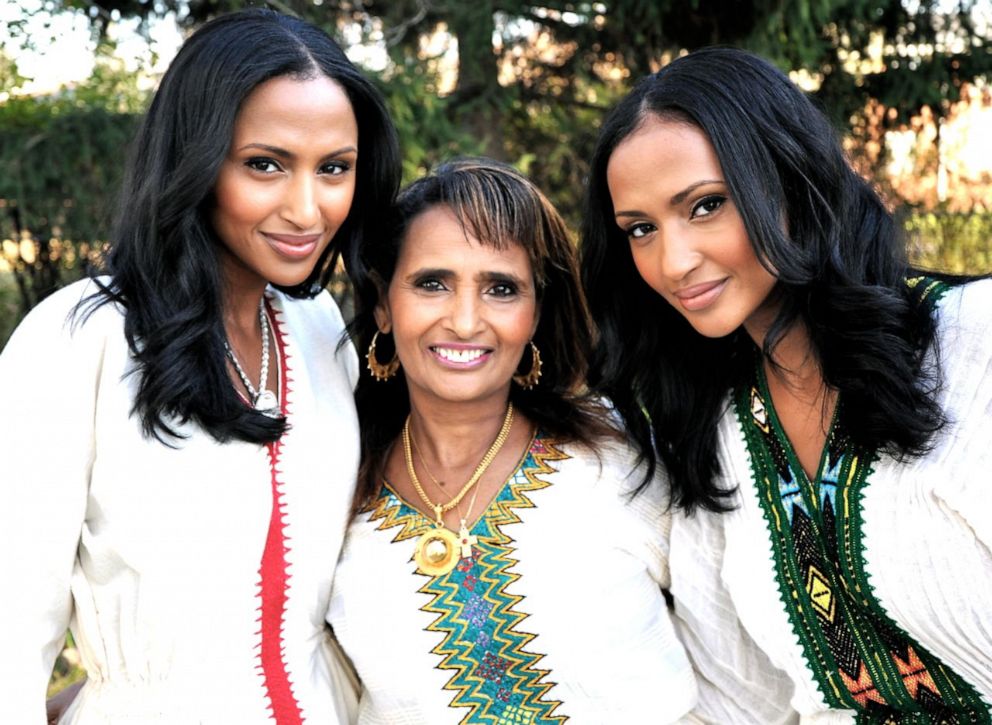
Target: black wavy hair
<point x="499" y="206"/>
<point x="839" y="262"/>
<point x="163" y="259"/>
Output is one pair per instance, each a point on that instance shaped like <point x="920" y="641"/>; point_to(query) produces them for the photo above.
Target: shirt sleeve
<point x="49" y="380"/>
<point x="965" y="353"/>
<point x="737" y="682"/>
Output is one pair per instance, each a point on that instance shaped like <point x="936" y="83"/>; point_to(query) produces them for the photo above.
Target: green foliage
<point x="9" y="76"/>
<point x="426" y="131"/>
<point x="67" y="669"/>
<point x="10" y="306"/>
<point x="62" y="161"/>
<point x="531" y="87"/>
<point x="951" y="242"/>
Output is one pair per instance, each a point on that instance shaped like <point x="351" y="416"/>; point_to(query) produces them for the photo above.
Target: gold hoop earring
<point x="529" y="380"/>
<point x="379" y="371"/>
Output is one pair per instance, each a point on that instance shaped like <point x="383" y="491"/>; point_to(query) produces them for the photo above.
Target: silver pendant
<point x="267" y="403"/>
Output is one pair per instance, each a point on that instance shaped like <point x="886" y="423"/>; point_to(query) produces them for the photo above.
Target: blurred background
<point x="905" y="81"/>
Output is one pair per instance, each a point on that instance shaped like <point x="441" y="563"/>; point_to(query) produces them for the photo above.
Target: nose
<point x="677" y="256"/>
<point x="300" y="204"/>
<point x="464" y="315"/>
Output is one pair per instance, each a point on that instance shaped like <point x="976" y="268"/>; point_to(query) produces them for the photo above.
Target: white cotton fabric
<point x="927" y="537"/>
<point x="592" y="564"/>
<point x="152" y="553"/>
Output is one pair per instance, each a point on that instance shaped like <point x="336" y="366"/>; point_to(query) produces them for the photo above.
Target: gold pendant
<point x="437" y="552"/>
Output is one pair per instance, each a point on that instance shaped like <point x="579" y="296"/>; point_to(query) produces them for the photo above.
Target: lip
<point x="466" y="356"/>
<point x="700" y="296"/>
<point x="293" y="246"/>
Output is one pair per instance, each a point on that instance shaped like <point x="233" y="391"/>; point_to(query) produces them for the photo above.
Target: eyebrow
<point x="676" y="200"/>
<point x="283" y="153"/>
<point x="488" y="276"/>
<point x="503" y="277"/>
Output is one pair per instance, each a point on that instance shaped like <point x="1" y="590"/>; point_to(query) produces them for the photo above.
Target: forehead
<point x="292" y="111"/>
<point x="662" y="151"/>
<point x="436" y="239"/>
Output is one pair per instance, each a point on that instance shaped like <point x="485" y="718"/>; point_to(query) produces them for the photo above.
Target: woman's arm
<point x="48" y="389"/>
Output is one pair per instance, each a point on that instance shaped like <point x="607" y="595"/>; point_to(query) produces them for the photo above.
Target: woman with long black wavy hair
<point x="822" y="409"/>
<point x="180" y="440"/>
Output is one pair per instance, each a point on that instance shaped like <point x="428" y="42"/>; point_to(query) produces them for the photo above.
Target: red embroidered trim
<point x="274" y="574"/>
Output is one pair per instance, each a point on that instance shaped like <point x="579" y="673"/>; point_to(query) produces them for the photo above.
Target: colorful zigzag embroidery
<point x="494" y="674"/>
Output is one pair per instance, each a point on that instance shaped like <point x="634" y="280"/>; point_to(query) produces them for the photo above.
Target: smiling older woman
<point x="496" y="568"/>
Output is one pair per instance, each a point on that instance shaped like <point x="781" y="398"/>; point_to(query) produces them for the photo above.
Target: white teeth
<point x="459" y="356"/>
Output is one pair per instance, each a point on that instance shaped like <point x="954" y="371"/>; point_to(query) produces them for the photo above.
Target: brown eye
<point x="503" y="289"/>
<point x="262" y="165"/>
<point x="335" y="168"/>
<point x="707" y="205"/>
<point x="429" y="284"/>
<point x="637" y="231"/>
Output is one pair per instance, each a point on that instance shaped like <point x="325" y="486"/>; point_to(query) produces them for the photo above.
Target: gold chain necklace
<point x="436" y="549"/>
<point x="465" y="538"/>
<point x="439" y="485"/>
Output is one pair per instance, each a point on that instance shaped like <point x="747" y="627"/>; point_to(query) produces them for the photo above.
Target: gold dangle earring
<point x="379" y="371"/>
<point x="529" y="380"/>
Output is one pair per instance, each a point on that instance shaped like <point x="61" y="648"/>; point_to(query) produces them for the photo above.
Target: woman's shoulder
<point x="614" y="467"/>
<point x="964" y="321"/>
<point x="967" y="305"/>
<point x="73" y="313"/>
<point x="319" y="314"/>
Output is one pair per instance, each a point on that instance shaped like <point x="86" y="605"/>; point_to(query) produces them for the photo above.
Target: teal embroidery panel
<point x="495" y="675"/>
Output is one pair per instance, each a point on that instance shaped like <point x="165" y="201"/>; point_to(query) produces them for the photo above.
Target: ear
<point x="537" y="321"/>
<point x="383" y="316"/>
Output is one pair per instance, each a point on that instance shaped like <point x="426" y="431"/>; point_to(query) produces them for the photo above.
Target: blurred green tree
<point x="532" y="79"/>
<point x="61" y="156"/>
<point x="525" y="82"/>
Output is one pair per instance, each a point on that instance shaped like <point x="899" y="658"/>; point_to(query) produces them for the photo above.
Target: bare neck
<point x="456" y="434"/>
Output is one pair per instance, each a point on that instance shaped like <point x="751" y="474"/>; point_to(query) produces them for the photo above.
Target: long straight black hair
<point x="163" y="260"/>
<point x="838" y="259"/>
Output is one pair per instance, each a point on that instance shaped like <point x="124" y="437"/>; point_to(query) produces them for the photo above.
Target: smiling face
<point x="461" y="313"/>
<point x="686" y="236"/>
<point x="287" y="183"/>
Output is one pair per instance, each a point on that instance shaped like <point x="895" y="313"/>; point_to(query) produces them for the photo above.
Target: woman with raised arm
<point x="496" y="568"/>
<point x="180" y="439"/>
<point x="822" y="409"/>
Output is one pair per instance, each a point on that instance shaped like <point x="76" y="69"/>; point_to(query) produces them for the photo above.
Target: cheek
<point x="646" y="266"/>
<point x="408" y="321"/>
<point x="336" y="202"/>
<point x="236" y="205"/>
<point x="743" y="258"/>
<point x="522" y="327"/>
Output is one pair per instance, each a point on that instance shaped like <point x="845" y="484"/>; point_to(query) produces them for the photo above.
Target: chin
<point x="290" y="279"/>
<point x="715" y="330"/>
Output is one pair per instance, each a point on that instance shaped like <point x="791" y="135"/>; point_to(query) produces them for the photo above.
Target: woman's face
<point x="686" y="236"/>
<point x="461" y="313"/>
<point x="288" y="180"/>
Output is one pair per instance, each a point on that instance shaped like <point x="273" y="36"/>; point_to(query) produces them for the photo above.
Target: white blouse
<point x="558" y="614"/>
<point x="191" y="598"/>
<point x="927" y="541"/>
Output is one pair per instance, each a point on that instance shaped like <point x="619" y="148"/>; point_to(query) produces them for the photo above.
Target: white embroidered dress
<point x="191" y="598"/>
<point x="927" y="537"/>
<point x="557" y="616"/>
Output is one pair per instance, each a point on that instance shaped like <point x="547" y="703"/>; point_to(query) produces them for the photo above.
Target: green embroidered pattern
<point x="860" y="658"/>
<point x="494" y="674"/>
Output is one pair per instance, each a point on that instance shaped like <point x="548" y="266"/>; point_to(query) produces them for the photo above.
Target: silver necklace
<point x="263" y="400"/>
